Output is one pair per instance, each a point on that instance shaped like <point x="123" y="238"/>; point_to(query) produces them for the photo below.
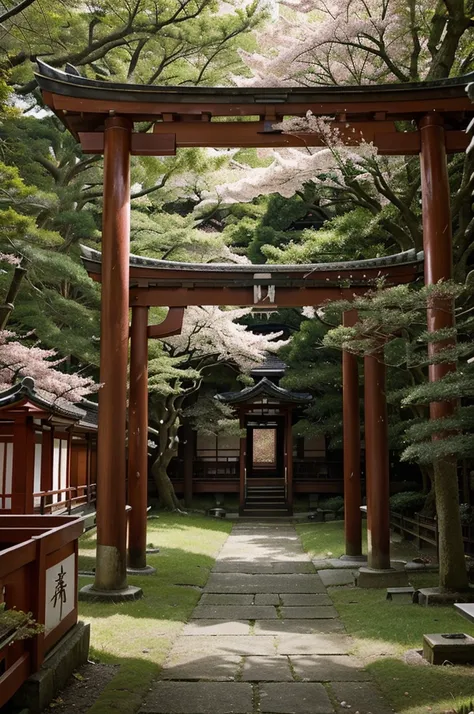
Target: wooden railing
<point x="303" y="469"/>
<point x="74" y="496"/>
<point x="38" y="574"/>
<point x="424" y="530"/>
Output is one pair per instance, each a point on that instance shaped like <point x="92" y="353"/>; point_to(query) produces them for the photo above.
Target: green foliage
<point x="17" y="625"/>
<point x="335" y="503"/>
<point x="407" y="502"/>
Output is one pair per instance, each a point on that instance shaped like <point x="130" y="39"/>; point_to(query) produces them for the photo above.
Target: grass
<point x="383" y="631"/>
<point x="138" y="635"/>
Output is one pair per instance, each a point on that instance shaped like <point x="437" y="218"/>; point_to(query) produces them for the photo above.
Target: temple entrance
<point x="265" y="450"/>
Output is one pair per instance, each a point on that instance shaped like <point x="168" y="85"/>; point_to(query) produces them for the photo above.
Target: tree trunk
<point x="452" y="563"/>
<point x="166" y="494"/>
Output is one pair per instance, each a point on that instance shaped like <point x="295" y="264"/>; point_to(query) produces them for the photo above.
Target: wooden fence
<point x="38" y="574"/>
<point x="424" y="530"/>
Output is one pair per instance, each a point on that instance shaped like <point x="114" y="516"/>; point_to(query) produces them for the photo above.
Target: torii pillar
<point x="378" y="573"/>
<point x="351" y="436"/>
<point x="140" y="333"/>
<point x="437" y="244"/>
<point x="110" y="577"/>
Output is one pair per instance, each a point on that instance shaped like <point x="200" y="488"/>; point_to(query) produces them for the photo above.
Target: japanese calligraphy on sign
<point x="60" y="595"/>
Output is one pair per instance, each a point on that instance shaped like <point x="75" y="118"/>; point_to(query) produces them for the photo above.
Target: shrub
<point x="336" y="503"/>
<point x="407" y="503"/>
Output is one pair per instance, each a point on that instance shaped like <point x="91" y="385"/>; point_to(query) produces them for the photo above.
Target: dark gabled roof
<point x="93" y="259"/>
<point x="91" y="409"/>
<point x="26" y="390"/>
<point x="264" y="388"/>
<point x="72" y="84"/>
<point x="271" y="365"/>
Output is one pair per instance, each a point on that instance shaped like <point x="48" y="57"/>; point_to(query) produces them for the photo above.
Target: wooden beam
<point x="171" y="325"/>
<point x="403" y="108"/>
<point x="409" y="143"/>
<point x="92" y="142"/>
<point x="285" y="297"/>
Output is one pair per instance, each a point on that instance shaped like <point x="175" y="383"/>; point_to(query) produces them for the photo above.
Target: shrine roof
<point x="271" y="365"/>
<point x="70" y="83"/>
<point x="25" y="391"/>
<point x="225" y="117"/>
<point x="138" y="264"/>
<point x="264" y="388"/>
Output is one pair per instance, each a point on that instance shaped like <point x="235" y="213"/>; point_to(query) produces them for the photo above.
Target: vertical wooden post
<point x="138" y="440"/>
<point x="188" y="462"/>
<point x="437" y="244"/>
<point x="351" y="431"/>
<point x="289" y="459"/>
<point x="377" y="463"/>
<point x="242" y="461"/>
<point x="114" y="329"/>
<point x="23" y="466"/>
<point x="437" y="241"/>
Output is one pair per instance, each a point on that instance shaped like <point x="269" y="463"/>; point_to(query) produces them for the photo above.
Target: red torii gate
<point x="101" y="115"/>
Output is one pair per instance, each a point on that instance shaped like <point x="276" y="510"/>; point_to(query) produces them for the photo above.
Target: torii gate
<point x="101" y="115"/>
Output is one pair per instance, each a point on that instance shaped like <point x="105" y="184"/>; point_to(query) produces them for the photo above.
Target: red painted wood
<point x="352" y="436"/>
<point x="377" y="463"/>
<point x="138" y="439"/>
<point x="111" y="522"/>
<point x="437" y="242"/>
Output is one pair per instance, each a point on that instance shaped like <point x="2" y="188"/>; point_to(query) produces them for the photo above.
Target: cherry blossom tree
<point x="326" y="42"/>
<point x="211" y="336"/>
<point x="18" y="361"/>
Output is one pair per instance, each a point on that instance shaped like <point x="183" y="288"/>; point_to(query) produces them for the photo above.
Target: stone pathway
<point x="264" y="638"/>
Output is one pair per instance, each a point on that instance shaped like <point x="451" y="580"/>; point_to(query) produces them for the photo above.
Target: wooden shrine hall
<point x="107" y="118"/>
<point x="266" y="453"/>
<point x="48" y="452"/>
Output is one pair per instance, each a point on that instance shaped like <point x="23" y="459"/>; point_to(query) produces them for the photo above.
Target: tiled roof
<point x="26" y="389"/>
<point x="406" y="257"/>
<point x="263" y="388"/>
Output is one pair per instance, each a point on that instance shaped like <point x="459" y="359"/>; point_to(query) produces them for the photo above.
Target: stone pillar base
<point x="372" y="578"/>
<point x="90" y="594"/>
<point x="147" y="570"/>
<point x="354" y="558"/>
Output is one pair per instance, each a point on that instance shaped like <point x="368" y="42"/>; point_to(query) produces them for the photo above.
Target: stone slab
<point x="308" y="600"/>
<point x="292" y="627"/>
<point x="321" y="564"/>
<point x="267" y="669"/>
<point x="217" y="668"/>
<point x="232" y="599"/>
<point x="199" y="698"/>
<point x="328" y="668"/>
<point x="347" y="564"/>
<point x="267" y="599"/>
<point x="334" y="577"/>
<point x="313" y="644"/>
<point x="298" y="564"/>
<point x="362" y="697"/>
<point x="225" y="644"/>
<point x="234" y="612"/>
<point x="371" y="578"/>
<point x="243" y="583"/>
<point x="216" y="627"/>
<point x="294" y="698"/>
<point x="309" y="613"/>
